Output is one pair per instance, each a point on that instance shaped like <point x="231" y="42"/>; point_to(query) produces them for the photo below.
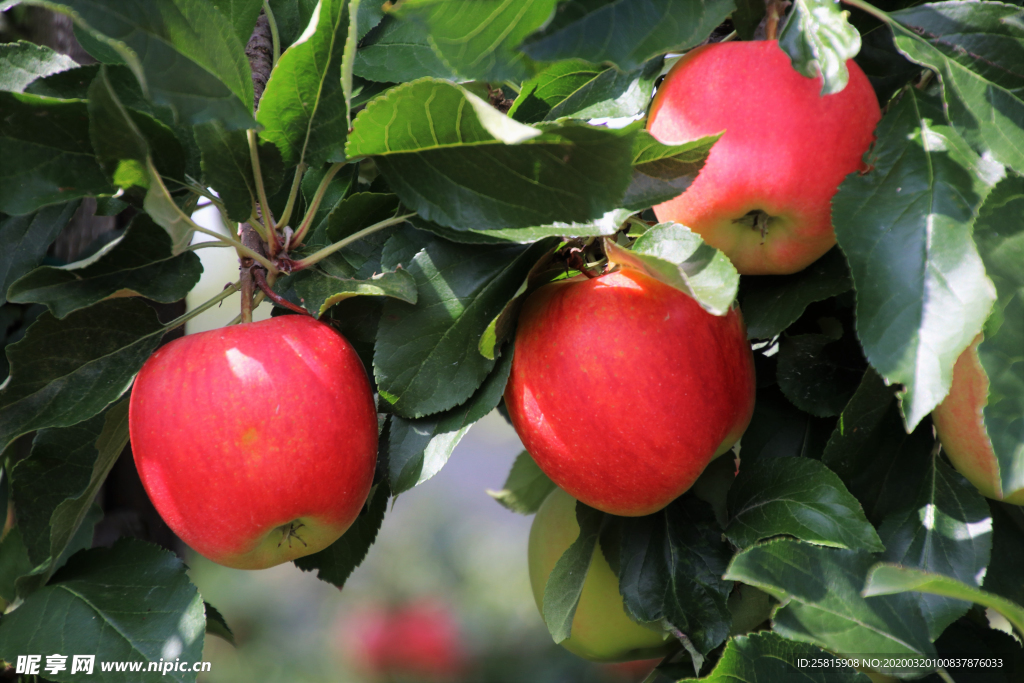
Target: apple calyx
<point x="757" y="220"/>
<point x="290" y="531"/>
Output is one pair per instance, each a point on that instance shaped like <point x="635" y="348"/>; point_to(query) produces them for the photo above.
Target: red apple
<point x="960" y="425"/>
<point x="623" y="388"/>
<point x="764" y="195"/>
<point x="601" y="629"/>
<point x="257" y="442"/>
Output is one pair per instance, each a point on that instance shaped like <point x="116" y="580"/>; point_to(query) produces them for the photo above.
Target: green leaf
<point x="872" y="452"/>
<point x="216" y="624"/>
<point x="559" y="82"/>
<point x="132" y="602"/>
<point x="947" y="529"/>
<point x="771" y="303"/>
<point x="66" y="371"/>
<point x="303" y="108"/>
<point x="335" y="563"/>
<point x="985" y="113"/>
<point x="565" y="584"/>
<point x="815" y="373"/>
<point x="819" y="39"/>
<point x="765" y="656"/>
<point x="139" y="263"/>
<point x="1003" y="575"/>
<point x="341" y="186"/>
<point x="418" y="449"/>
<point x="503" y="325"/>
<point x="14" y="563"/>
<point x="999" y="234"/>
<point x="889" y="579"/>
<point x="525" y="488"/>
<point x="24" y="240"/>
<point x="292" y="17"/>
<point x="227" y="167"/>
<point x="426" y="358"/>
<point x="47" y="155"/>
<point x="608" y="224"/>
<point x="747" y="17"/>
<point x="984" y="37"/>
<point x="478" y="40"/>
<point x="398" y="52"/>
<point x="23" y="62"/>
<point x="905" y="228"/>
<point x="778" y="429"/>
<point x="662" y="172"/>
<point x="796" y="497"/>
<point x="671" y="253"/>
<point x="185" y="54"/>
<point x="822" y="604"/>
<point x="625" y="32"/>
<point x="317" y="291"/>
<point x="55" y="485"/>
<point x="670" y="567"/>
<point x="441" y="147"/>
<point x="241" y="14"/>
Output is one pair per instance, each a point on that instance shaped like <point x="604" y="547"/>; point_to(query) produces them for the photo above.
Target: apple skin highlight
<point x="785" y="150"/>
<point x="623" y="388"/>
<point x="239" y="432"/>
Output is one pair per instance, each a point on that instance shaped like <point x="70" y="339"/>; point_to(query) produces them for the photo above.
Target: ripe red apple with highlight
<point x="257" y="442"/>
<point x="960" y="425"/>
<point x="764" y="195"/>
<point x="601" y="629"/>
<point x="623" y="388"/>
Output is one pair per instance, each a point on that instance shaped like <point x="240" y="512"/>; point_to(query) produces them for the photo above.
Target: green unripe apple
<point x="601" y="629"/>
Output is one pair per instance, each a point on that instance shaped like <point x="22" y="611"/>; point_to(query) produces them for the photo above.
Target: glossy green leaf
<point x="292" y="17"/>
<point x="303" y="108"/>
<point x="132" y="602"/>
<point x="23" y="62"/>
<point x="872" y="452"/>
<point x="999" y="234"/>
<point x="335" y="563"/>
<point x="478" y="40"/>
<point x="625" y="32"/>
<point x="815" y="373"/>
<point x="771" y="303"/>
<point x="671" y="253"/>
<point x="137" y="263"/>
<point x="552" y="86"/>
<point x="985" y="113"/>
<point x="820" y="589"/>
<point x="55" y="485"/>
<point x="985" y="37"/>
<point x="25" y="239"/>
<point x="670" y="568"/>
<point x="426" y="359"/>
<point x="418" y="449"/>
<point x="525" y="488"/>
<point x="947" y="529"/>
<point x="565" y="584"/>
<point x="890" y="579"/>
<point x="185" y="54"/>
<point x="48" y="157"/>
<point x="766" y="656"/>
<point x="441" y="148"/>
<point x="819" y="39"/>
<point x="905" y="228"/>
<point x="399" y="52"/>
<point x="608" y="94"/>
<point x="66" y="371"/>
<point x="797" y="497"/>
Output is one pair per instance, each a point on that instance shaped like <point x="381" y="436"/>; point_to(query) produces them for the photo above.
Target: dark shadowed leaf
<point x="14" y="563"/>
<point x="418" y="449"/>
<point x="137" y="263"/>
<point x="459" y="162"/>
<point x="335" y="563"/>
<point x="478" y="40"/>
<point x="796" y="497"/>
<point x="947" y="529"/>
<point x="818" y="39"/>
<point x="905" y="228"/>
<point x="227" y="167"/>
<point x="132" y="602"/>
<point x="426" y="358"/>
<point x="525" y="488"/>
<point x="747" y="17"/>
<point x="661" y="172"/>
<point x="565" y="584"/>
<point x="216" y="624"/>
<point x="815" y="373"/>
<point x="625" y="33"/>
<point x="768" y="657"/>
<point x="66" y="371"/>
<point x="771" y="303"/>
<point x="25" y="239"/>
<point x="820" y="591"/>
<point x="1003" y="575"/>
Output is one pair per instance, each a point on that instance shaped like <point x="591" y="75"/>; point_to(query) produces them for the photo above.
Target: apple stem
<point x="314" y="205"/>
<point x="318" y="256"/>
<point x="292" y="195"/>
<point x="261" y="282"/>
<point x="261" y="192"/>
<point x="776" y="9"/>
